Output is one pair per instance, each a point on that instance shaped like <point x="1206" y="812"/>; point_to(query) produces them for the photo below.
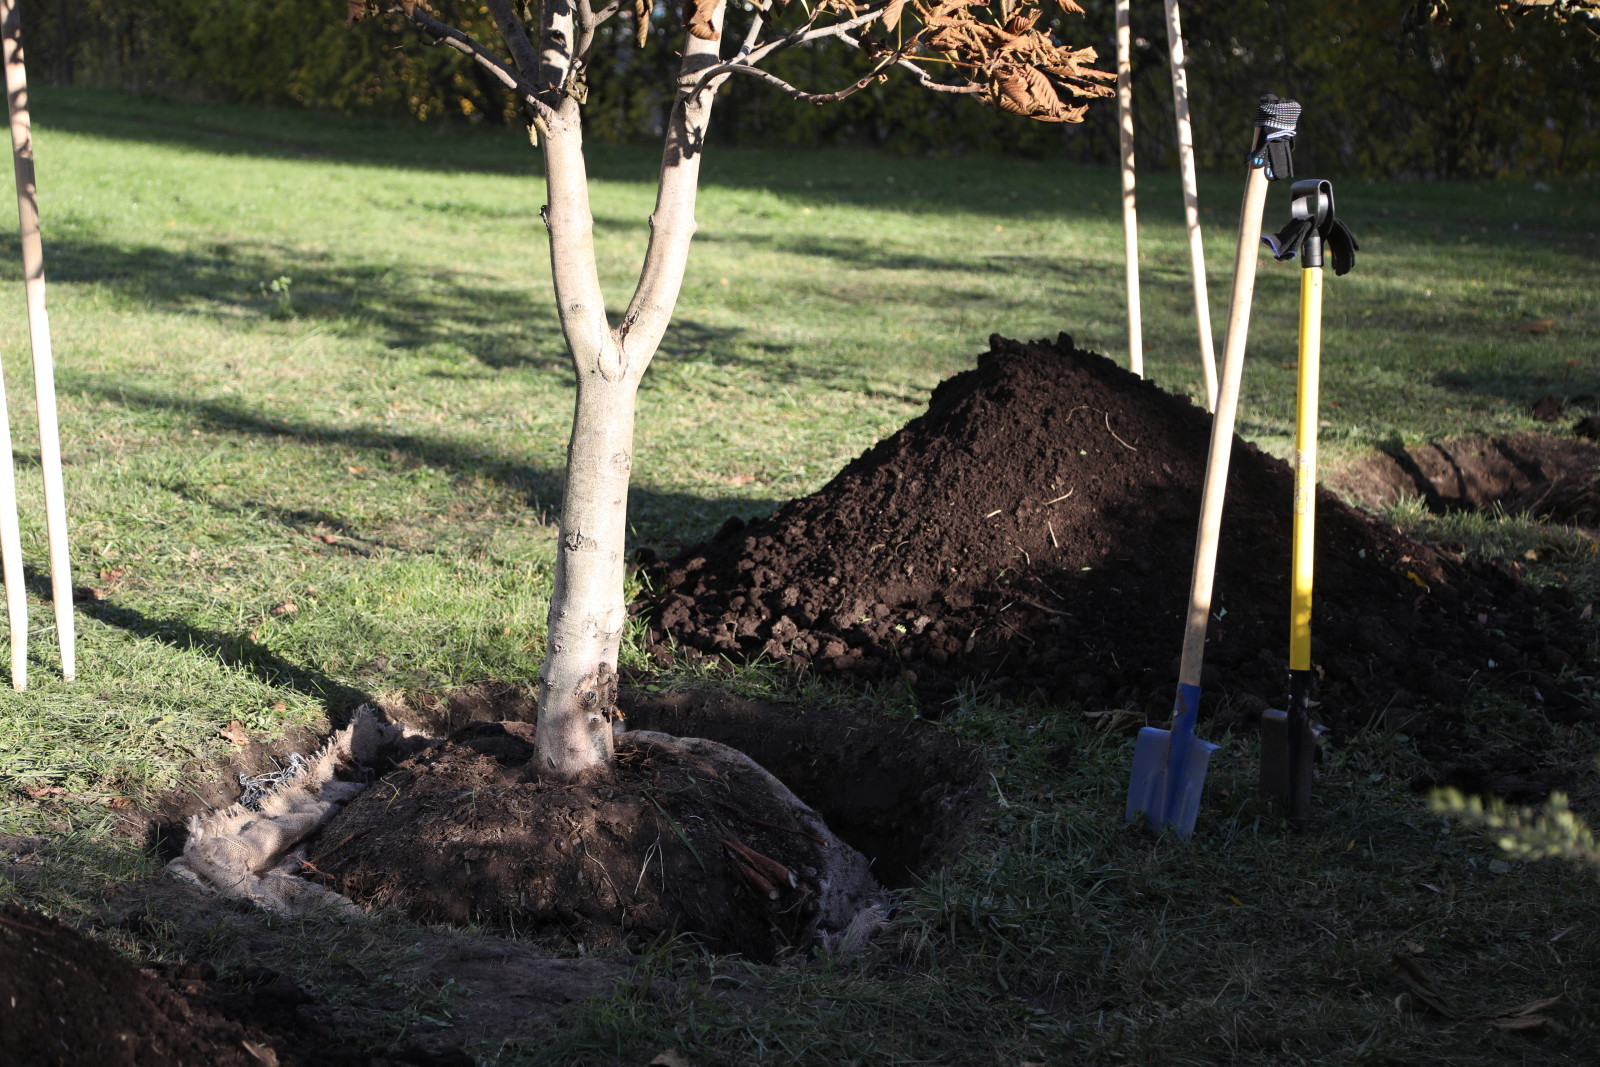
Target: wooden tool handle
<point x="1205" y="548"/>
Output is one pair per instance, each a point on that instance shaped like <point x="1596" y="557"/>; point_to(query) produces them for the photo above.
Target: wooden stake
<point x="1191" y="200"/>
<point x="1130" y="220"/>
<point x="11" y="552"/>
<point x="44" y="375"/>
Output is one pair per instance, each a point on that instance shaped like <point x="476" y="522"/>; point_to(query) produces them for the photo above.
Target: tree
<point x="1002" y="53"/>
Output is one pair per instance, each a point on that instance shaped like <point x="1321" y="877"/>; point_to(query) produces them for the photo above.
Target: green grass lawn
<point x="314" y="407"/>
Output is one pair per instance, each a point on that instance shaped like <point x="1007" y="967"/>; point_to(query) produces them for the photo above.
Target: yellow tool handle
<point x="1305" y="469"/>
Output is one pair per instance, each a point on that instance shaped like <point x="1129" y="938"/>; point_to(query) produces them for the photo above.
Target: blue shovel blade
<point x="1169" y="769"/>
<point x="1167" y="792"/>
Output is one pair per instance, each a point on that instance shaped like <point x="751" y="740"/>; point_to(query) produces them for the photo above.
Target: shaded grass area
<point x="315" y="406"/>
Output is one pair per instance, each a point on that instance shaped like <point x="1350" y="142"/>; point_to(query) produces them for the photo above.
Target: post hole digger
<point x="1288" y="743"/>
<point x="1169" y="766"/>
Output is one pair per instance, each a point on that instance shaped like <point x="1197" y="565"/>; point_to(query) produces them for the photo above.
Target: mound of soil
<point x="66" y="1001"/>
<point x="1033" y="534"/>
<point x="678" y="835"/>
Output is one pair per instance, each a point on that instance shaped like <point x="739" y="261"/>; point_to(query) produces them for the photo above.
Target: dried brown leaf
<point x="698" y="19"/>
<point x="235" y="732"/>
<point x="892" y="12"/>
<point x="1420" y="986"/>
<point x="1021" y="23"/>
<point x="641" y="18"/>
<point x="354" y="9"/>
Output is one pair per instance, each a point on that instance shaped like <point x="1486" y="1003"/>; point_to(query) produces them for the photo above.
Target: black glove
<point x="1277" y="119"/>
<point x="1338" y="243"/>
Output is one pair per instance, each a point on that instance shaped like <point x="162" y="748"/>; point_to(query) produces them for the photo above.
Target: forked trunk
<point x="588" y="613"/>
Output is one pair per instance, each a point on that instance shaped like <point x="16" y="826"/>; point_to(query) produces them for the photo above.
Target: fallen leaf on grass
<point x="46" y="791"/>
<point x="1420" y="989"/>
<point x="288" y="607"/>
<point x="280" y="706"/>
<point x="670" y="1058"/>
<point x="327" y="539"/>
<point x="1535" y="326"/>
<point x="235" y="732"/>
<point x="1116" y="719"/>
<point x="1422" y="993"/>
<point x="1527" y="1017"/>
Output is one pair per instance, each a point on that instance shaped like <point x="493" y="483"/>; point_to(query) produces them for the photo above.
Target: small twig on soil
<point x="1041" y="607"/>
<point x="993" y="513"/>
<point x="751" y="875"/>
<point x="653" y="850"/>
<point x="769" y="825"/>
<point x="1056" y="544"/>
<point x="776" y="872"/>
<point x="337" y="845"/>
<point x="1113" y="433"/>
<point x="1059" y="499"/>
<point x="307" y="865"/>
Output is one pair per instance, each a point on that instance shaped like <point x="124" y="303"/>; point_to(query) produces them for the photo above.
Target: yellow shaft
<point x="1305" y="469"/>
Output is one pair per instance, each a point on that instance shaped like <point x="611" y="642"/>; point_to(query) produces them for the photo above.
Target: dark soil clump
<point x="68" y="1001"/>
<point x="1032" y="534"/>
<point x="677" y="836"/>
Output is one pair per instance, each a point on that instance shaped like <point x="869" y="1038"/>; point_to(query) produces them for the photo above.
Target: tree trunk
<point x="588" y="613"/>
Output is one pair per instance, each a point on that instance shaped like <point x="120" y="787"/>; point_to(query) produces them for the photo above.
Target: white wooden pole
<point x="1130" y="220"/>
<point x="1191" y="200"/>
<point x="44" y="374"/>
<point x="11" y="552"/>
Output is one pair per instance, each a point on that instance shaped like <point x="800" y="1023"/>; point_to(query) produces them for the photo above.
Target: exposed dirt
<point x="1033" y="533"/>
<point x="1551" y="477"/>
<point x="905" y="793"/>
<point x="678" y="837"/>
<point x="70" y="1001"/>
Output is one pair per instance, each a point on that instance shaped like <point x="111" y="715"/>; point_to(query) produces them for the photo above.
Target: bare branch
<point x="516" y="38"/>
<point x="725" y="69"/>
<point x="927" y="81"/>
<point x="590" y="20"/>
<point x="810" y="31"/>
<point x="468" y="46"/>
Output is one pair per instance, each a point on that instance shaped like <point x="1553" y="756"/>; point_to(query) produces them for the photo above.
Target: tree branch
<point x="468" y="46"/>
<point x="672" y="223"/>
<point x="590" y="20"/>
<point x="516" y="38"/>
<point x="810" y="31"/>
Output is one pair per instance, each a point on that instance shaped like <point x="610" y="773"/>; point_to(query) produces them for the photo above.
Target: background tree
<point x="1006" y="55"/>
<point x="1391" y="88"/>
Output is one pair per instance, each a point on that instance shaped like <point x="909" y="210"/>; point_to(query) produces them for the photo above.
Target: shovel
<point x="1288" y="737"/>
<point x="1169" y="766"/>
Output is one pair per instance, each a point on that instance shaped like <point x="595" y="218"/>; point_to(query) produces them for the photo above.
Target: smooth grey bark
<point x="577" y="685"/>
